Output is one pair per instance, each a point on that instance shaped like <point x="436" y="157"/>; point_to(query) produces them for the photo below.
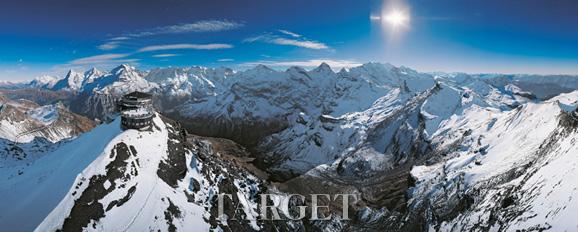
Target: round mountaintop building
<point x="136" y="110"/>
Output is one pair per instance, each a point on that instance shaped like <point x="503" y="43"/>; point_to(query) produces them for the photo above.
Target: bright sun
<point x="396" y="18"/>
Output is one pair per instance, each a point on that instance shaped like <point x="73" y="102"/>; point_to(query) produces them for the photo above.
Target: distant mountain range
<point x="423" y="150"/>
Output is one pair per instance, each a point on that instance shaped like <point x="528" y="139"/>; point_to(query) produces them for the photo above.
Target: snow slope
<point x="382" y="136"/>
<point x="147" y="197"/>
<point x="28" y="197"/>
<point x="512" y="168"/>
<point x="154" y="180"/>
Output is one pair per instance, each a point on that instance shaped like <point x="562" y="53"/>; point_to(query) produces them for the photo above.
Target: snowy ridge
<point x="44" y="82"/>
<point x="383" y="123"/>
<point x="147" y="194"/>
<point x="154" y="180"/>
<point x="512" y="165"/>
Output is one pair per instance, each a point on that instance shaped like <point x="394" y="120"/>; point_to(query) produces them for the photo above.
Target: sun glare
<point x="396" y="18"/>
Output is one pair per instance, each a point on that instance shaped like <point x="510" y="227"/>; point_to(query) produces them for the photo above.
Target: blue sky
<point x="490" y="36"/>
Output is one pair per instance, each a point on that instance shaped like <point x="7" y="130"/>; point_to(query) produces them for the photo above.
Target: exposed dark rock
<point x="123" y="200"/>
<point x="174" y="167"/>
<point x="87" y="207"/>
<point x="171" y="213"/>
<point x="245" y="131"/>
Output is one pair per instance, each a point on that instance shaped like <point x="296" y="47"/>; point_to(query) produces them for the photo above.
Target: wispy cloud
<point x="119" y="38"/>
<point x="292" y="34"/>
<point x="335" y="64"/>
<point x="225" y="60"/>
<point x="281" y="39"/>
<point x="199" y="26"/>
<point x="105" y="58"/>
<point x="109" y="45"/>
<point x="212" y="46"/>
<point x="165" y="55"/>
<point x="194" y="27"/>
<point x="117" y="58"/>
<point x="300" y="43"/>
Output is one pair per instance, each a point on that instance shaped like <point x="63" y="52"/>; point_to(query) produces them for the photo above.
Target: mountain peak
<point x="73" y="81"/>
<point x="92" y="74"/>
<point x="260" y="68"/>
<point x="44" y="81"/>
<point x="123" y="68"/>
<point x="71" y="73"/>
<point x="295" y="69"/>
<point x="323" y="67"/>
<point x="45" y="78"/>
<point x="342" y="71"/>
<point x="92" y="71"/>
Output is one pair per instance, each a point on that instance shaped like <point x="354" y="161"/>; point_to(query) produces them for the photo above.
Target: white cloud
<point x="165" y="55"/>
<point x="225" y="60"/>
<point x="109" y="45"/>
<point x="105" y="58"/>
<point x="300" y="43"/>
<point x="292" y="34"/>
<point x="334" y="64"/>
<point x="119" y="38"/>
<point x="185" y="46"/>
<point x="281" y="40"/>
<point x="257" y="38"/>
<point x="199" y="26"/>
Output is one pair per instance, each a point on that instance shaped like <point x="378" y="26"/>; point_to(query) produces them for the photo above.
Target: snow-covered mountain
<point x="72" y="81"/>
<point x="159" y="179"/>
<point x="44" y="82"/>
<point x="543" y="86"/>
<point x="502" y="171"/>
<point x="424" y="151"/>
<point x="21" y="121"/>
<point x="193" y="82"/>
<point x="190" y="92"/>
<point x="98" y="95"/>
<point x="28" y="131"/>
<point x="298" y="119"/>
